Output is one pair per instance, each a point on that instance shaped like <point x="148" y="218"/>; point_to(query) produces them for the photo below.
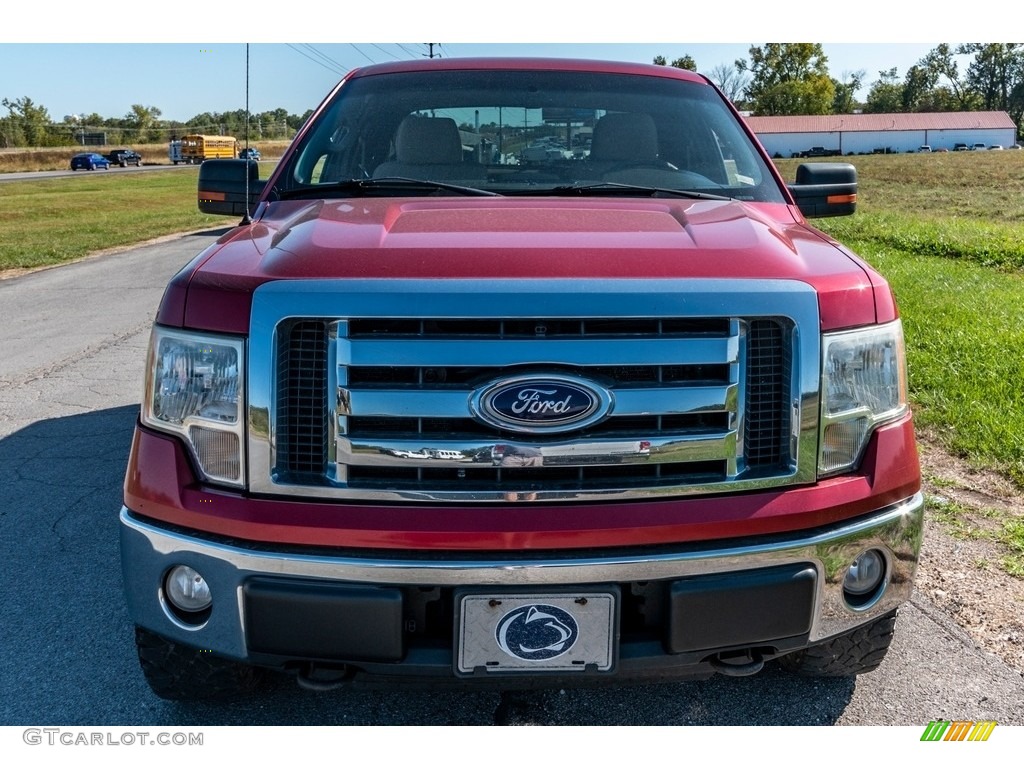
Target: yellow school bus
<point x="195" y="148"/>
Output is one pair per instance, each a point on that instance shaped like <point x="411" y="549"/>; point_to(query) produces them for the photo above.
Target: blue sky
<point x="70" y="71"/>
<point x="185" y="79"/>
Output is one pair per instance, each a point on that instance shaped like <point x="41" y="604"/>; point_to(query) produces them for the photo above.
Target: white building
<point x="864" y="134"/>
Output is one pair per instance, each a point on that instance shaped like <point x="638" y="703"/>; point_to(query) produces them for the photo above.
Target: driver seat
<point x="624" y="138"/>
<point x="429" y="148"/>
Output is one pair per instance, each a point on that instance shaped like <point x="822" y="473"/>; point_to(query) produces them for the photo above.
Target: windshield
<point x="527" y="132"/>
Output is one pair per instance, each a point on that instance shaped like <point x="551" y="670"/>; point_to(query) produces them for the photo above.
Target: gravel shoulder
<point x="960" y="569"/>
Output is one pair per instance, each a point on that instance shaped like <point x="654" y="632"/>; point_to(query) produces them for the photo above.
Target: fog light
<point x="864" y="578"/>
<point x="187" y="589"/>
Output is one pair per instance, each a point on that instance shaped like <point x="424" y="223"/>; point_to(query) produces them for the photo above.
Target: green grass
<point x="949" y="238"/>
<point x="956" y="265"/>
<point x="1007" y="531"/>
<point x="53" y="221"/>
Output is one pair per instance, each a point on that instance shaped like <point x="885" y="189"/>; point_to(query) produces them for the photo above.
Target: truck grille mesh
<point x="744" y="436"/>
<point x="766" y="426"/>
<point x="302" y="405"/>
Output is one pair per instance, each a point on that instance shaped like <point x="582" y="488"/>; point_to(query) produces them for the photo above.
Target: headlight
<point x="194" y="388"/>
<point x="863" y="384"/>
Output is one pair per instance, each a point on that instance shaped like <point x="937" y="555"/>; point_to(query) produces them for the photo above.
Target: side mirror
<point x="825" y="189"/>
<point x="229" y="187"/>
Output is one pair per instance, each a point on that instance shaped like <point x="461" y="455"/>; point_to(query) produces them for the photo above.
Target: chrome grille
<point x="376" y="405"/>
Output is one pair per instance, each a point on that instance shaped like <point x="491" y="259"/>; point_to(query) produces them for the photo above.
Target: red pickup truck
<point x="430" y="413"/>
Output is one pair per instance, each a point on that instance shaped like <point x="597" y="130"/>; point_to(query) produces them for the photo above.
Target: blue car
<point x="249" y="153"/>
<point x="90" y="161"/>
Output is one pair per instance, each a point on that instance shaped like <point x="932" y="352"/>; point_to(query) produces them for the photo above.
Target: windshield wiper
<point x="608" y="187"/>
<point x="361" y="187"/>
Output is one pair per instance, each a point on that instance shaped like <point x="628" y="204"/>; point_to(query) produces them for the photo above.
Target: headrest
<point x="625" y="136"/>
<point x="428" y="141"/>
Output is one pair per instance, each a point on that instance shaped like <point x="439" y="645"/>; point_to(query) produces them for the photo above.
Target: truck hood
<point x="518" y="238"/>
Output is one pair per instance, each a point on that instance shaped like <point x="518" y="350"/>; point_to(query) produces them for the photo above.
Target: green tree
<point x="845" y="101"/>
<point x="996" y="74"/>
<point x="886" y="94"/>
<point x="941" y="63"/>
<point x="918" y="85"/>
<point x="686" y="62"/>
<point x="27" y="124"/>
<point x="141" y="123"/>
<point x="789" y="79"/>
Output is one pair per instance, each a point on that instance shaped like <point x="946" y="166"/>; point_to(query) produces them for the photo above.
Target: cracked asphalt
<point x="71" y="365"/>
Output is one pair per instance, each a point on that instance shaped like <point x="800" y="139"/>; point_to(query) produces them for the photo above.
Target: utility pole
<point x="431" y="47"/>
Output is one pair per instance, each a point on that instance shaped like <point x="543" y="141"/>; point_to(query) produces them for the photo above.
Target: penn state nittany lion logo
<point x="536" y="632"/>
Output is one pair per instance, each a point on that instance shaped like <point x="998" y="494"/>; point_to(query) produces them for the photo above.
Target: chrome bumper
<point x="148" y="552"/>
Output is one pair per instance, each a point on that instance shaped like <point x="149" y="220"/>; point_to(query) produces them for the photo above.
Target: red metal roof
<point x="904" y="121"/>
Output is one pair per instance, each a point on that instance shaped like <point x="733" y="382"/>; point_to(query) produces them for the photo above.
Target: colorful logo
<point x="958" y="730"/>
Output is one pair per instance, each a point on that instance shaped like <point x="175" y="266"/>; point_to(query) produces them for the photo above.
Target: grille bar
<point x="574" y="352"/>
<point x="442" y="403"/>
<point x="379" y="405"/>
<point x="650" y="449"/>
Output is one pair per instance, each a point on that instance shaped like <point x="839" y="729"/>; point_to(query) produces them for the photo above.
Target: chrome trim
<point x="534" y="351"/>
<point x="148" y="551"/>
<point x="441" y="403"/>
<point x="338" y="301"/>
<point x="413" y="453"/>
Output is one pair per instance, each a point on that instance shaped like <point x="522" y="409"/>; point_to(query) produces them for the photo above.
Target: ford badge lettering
<point x="541" y="404"/>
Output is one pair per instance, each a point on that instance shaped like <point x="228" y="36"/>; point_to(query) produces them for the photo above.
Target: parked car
<point x="125" y="157"/>
<point x="960" y="147"/>
<point x="90" y="161"/>
<point x="979" y="147"/>
<point x="996" y="148"/>
<point x="1014" y="146"/>
<point x="820" y="152"/>
<point x="249" y="153"/>
<point x="924" y="148"/>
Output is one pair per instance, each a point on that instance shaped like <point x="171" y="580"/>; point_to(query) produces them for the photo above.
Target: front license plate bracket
<point x="536" y="633"/>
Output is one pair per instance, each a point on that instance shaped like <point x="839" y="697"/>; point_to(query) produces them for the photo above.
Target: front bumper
<point x="769" y="594"/>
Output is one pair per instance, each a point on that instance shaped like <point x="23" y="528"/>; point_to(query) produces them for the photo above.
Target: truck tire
<point x="179" y="673"/>
<point x="854" y="653"/>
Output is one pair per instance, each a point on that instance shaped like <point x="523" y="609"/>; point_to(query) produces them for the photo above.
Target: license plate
<point x="536" y="633"/>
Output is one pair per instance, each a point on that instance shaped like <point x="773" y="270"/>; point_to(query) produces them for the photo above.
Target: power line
<point x="414" y="54"/>
<point x="315" y="61"/>
<point x="385" y="52"/>
<point x="341" y="67"/>
<point x="362" y="54"/>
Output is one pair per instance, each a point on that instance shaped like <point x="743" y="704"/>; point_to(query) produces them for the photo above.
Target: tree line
<point x="27" y="124"/>
<point x="794" y="79"/>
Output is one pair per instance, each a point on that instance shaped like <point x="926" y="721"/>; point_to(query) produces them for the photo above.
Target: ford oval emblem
<point x="541" y="403"/>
